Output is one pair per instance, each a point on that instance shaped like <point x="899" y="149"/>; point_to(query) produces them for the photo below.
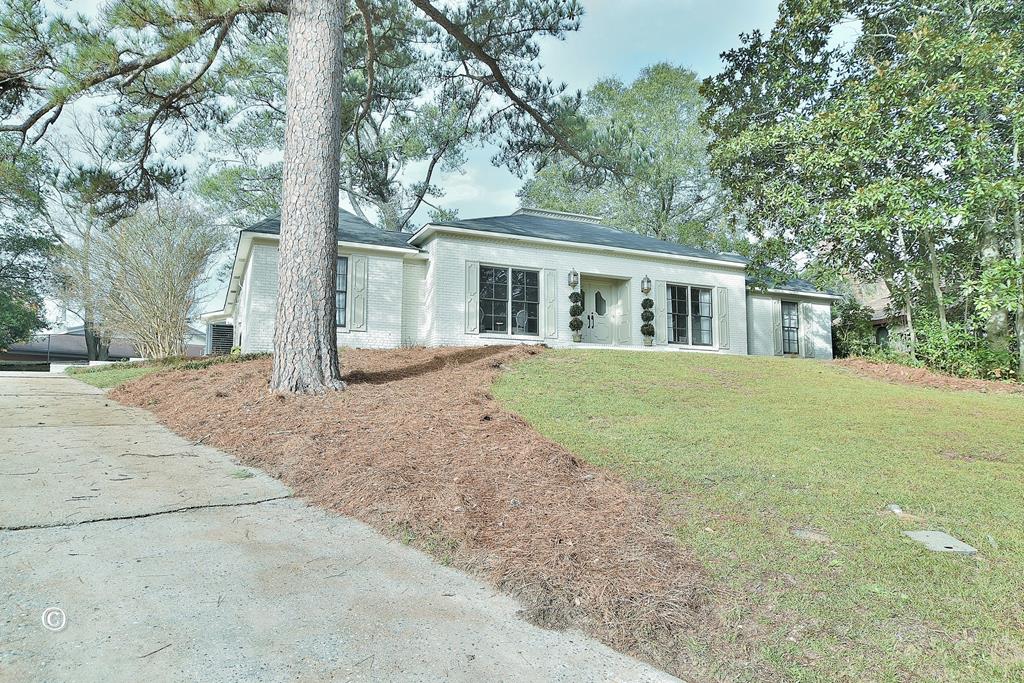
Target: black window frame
<point x="516" y="291"/>
<point x="675" y="317"/>
<point x="341" y="290"/>
<point x="691" y="313"/>
<point x="791" y="333"/>
<point x="699" y="318"/>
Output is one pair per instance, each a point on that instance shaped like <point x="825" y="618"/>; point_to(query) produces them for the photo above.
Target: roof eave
<point x="346" y="243"/>
<point x="795" y="292"/>
<point x="431" y="228"/>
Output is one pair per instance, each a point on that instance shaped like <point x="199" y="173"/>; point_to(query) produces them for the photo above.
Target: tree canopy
<point x="26" y="244"/>
<point x="420" y="80"/>
<point x="891" y="155"/>
<point x="663" y="187"/>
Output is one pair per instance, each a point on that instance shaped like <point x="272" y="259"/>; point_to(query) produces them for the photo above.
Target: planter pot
<point x="648" y="341"/>
<point x="577" y="337"/>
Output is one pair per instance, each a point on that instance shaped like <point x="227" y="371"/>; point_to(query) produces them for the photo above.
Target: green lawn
<point x="746" y="450"/>
<point x="106" y="376"/>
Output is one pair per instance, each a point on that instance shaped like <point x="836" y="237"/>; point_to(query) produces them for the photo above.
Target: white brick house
<point x="508" y="279"/>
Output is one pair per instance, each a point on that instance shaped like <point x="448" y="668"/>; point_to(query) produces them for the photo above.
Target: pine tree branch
<point x="499" y="78"/>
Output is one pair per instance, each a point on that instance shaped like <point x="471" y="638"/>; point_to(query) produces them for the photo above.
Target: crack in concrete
<point x="143" y="515"/>
<point x="65" y="425"/>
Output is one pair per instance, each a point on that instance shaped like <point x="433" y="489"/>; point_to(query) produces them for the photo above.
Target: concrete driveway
<point x="151" y="558"/>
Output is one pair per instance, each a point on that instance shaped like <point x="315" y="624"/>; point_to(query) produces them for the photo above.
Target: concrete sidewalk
<point x="170" y="561"/>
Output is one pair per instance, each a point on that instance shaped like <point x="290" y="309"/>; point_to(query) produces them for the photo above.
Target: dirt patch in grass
<point x="903" y="374"/>
<point x="417" y="447"/>
<point x="950" y="454"/>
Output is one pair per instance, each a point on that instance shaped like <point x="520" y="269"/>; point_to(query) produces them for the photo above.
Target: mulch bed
<point x="903" y="374"/>
<point x="417" y="447"/>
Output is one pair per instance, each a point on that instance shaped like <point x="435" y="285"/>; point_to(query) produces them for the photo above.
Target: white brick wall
<point x="259" y="294"/>
<point x="820" y="324"/>
<point x="417" y="301"/>
<point x="258" y="300"/>
<point x="760" y="324"/>
<point x="760" y="341"/>
<point x="413" y="305"/>
<point x="384" y="288"/>
<point x="446" y="286"/>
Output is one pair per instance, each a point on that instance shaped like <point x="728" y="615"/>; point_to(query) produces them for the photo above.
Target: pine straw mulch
<point x="904" y="374"/>
<point x="417" y="447"/>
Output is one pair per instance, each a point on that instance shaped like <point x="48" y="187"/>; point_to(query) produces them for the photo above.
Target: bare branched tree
<point x="153" y="264"/>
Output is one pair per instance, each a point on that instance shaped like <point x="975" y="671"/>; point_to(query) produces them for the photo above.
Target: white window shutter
<point x="472" y="297"/>
<point x="550" y="302"/>
<point x="357" y="298"/>
<point x="806" y="334"/>
<point x="723" y="317"/>
<point x="660" y="312"/>
<point x="777" y="325"/>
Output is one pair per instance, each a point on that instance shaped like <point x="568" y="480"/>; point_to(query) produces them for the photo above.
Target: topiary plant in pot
<point x="575" y="311"/>
<point x="647" y="316"/>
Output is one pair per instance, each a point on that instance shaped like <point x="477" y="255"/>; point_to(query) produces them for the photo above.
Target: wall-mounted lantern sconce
<point x="645" y="285"/>
<point x="574" y="279"/>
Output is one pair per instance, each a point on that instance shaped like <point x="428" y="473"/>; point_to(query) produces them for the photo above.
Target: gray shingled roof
<point x="351" y="228"/>
<point x="796" y="286"/>
<point x="582" y="232"/>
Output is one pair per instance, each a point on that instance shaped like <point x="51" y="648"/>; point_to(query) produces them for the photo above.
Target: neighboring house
<point x="507" y="279"/>
<point x="69" y="346"/>
<point x="64" y="347"/>
<point x="890" y="326"/>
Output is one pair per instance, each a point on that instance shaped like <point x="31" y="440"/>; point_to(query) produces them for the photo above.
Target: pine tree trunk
<point x="305" y="337"/>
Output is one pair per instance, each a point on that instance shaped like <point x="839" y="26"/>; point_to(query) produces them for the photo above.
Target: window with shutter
<point x="790" y="328"/>
<point x="473" y="307"/>
<point x="723" y="317"/>
<point x="689" y="315"/>
<point x="341" y="291"/>
<point x="509" y="301"/>
<point x="355" y="304"/>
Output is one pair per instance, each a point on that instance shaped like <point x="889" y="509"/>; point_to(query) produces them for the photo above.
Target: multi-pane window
<point x="690" y="315"/>
<point x="341" y="292"/>
<point x="509" y="300"/>
<point x="677" y="318"/>
<point x="525" y="301"/>
<point x="790" y="327"/>
<point x="493" y="299"/>
<point x="700" y="316"/>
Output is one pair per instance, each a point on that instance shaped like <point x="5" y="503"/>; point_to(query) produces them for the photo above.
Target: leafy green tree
<point x="26" y="245"/>
<point x="664" y="187"/>
<point x="156" y="69"/>
<point x="852" y="331"/>
<point x="25" y="256"/>
<point x="888" y="156"/>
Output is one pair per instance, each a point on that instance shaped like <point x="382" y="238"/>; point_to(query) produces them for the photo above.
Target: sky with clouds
<point x="616" y="38"/>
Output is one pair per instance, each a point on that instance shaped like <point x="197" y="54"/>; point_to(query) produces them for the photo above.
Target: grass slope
<point x="116" y="374"/>
<point x="745" y="450"/>
<point x="106" y="376"/>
